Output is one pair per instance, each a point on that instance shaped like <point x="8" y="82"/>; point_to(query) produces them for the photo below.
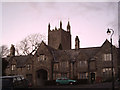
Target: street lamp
<point x="110" y="31"/>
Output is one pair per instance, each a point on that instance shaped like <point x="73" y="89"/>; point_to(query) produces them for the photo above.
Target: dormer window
<point x="42" y="57"/>
<point x="13" y="67"/>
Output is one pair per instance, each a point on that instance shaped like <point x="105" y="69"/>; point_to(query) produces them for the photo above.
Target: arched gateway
<point x="42" y="76"/>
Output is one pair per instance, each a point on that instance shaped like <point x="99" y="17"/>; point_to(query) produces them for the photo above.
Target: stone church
<point x="57" y="59"/>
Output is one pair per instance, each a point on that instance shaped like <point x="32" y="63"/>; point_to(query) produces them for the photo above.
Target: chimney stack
<point x="77" y="41"/>
<point x="12" y="50"/>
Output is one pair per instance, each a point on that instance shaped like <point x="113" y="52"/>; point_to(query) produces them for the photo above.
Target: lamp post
<point x="110" y="31"/>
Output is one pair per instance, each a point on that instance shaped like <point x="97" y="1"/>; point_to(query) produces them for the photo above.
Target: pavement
<point x="107" y="85"/>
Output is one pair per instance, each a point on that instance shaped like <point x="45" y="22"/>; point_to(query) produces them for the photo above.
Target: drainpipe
<point x="89" y="71"/>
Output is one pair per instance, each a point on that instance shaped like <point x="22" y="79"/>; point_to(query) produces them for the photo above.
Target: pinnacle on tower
<point x="48" y="26"/>
<point x="68" y="27"/>
<point x="60" y="24"/>
<point x="55" y="28"/>
<point x="77" y="41"/>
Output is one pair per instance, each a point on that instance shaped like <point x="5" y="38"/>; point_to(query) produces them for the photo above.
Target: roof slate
<point x="20" y="60"/>
<point x="73" y="54"/>
<point x="58" y="55"/>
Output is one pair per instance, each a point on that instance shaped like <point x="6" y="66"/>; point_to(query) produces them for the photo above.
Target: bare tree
<point x="24" y="46"/>
<point x="4" y="51"/>
<point x="29" y="44"/>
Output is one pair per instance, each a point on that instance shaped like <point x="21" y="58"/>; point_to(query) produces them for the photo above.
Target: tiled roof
<point x="20" y="60"/>
<point x="73" y="54"/>
<point x="58" y="55"/>
<point x="90" y="52"/>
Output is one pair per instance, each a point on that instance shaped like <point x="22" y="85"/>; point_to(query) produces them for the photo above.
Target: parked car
<point x="117" y="82"/>
<point x="10" y="82"/>
<point x="27" y="83"/>
<point x="64" y="80"/>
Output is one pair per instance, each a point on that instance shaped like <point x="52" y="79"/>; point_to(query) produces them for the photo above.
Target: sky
<point x="89" y="20"/>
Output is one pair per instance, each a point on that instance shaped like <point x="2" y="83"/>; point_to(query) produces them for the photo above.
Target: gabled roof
<point x="106" y="43"/>
<point x="20" y="60"/>
<point x="62" y="54"/>
<point x="73" y="54"/>
<point x="50" y="49"/>
<point x="90" y="52"/>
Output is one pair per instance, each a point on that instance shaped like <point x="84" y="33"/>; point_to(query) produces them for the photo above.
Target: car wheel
<point x="57" y="83"/>
<point x="71" y="83"/>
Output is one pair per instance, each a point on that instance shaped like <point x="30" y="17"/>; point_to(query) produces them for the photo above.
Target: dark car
<point x="64" y="80"/>
<point x="10" y="82"/>
<point x="117" y="82"/>
<point x="27" y="83"/>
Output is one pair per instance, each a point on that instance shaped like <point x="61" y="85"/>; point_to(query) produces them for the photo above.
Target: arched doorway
<point x="42" y="76"/>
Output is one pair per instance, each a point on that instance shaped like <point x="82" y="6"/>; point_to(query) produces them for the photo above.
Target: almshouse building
<point x="57" y="59"/>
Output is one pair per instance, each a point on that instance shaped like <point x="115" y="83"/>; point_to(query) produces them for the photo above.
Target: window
<point x="67" y="64"/>
<point x="55" y="66"/>
<point x="28" y="67"/>
<point x="83" y="75"/>
<point x="13" y="67"/>
<point x="63" y="74"/>
<point x="41" y="58"/>
<point x="56" y="75"/>
<point x="29" y="77"/>
<point x="107" y="72"/>
<point x="107" y="57"/>
<point x="63" y="65"/>
<point x="82" y="63"/>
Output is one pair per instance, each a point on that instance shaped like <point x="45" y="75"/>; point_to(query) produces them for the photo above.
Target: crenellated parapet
<point x="60" y="28"/>
<point x="58" y="37"/>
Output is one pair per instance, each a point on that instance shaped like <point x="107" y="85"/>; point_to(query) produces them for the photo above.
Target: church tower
<point x="59" y="38"/>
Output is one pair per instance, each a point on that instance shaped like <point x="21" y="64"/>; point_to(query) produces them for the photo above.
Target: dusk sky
<point x="89" y="20"/>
